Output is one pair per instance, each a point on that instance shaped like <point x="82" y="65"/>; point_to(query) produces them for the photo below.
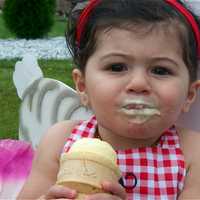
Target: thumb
<point x="58" y="191"/>
<point x="115" y="189"/>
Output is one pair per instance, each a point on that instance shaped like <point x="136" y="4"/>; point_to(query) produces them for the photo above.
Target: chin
<point x="144" y="130"/>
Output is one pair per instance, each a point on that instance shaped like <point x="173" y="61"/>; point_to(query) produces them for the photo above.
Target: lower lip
<point x="140" y="116"/>
<point x="144" y="111"/>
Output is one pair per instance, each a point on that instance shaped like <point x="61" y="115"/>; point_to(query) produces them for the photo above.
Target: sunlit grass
<point x="10" y="102"/>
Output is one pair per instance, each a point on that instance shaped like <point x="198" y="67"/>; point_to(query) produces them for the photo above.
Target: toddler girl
<point x="136" y="68"/>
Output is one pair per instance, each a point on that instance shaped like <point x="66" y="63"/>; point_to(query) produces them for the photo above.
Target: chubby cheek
<point x="101" y="94"/>
<point x="171" y="105"/>
<point x="98" y="97"/>
<point x="102" y="102"/>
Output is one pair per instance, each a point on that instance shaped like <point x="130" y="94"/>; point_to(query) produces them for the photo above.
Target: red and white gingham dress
<point x="149" y="172"/>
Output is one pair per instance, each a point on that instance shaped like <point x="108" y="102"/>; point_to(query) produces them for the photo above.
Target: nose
<point x="138" y="82"/>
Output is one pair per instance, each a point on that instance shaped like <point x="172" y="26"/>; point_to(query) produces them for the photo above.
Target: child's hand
<point x="59" y="192"/>
<point x="116" y="191"/>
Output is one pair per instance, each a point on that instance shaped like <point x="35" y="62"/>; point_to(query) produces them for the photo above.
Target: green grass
<point x="10" y="102"/>
<point x="58" y="29"/>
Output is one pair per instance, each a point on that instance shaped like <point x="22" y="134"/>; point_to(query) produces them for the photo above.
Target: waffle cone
<point x="86" y="165"/>
<point x="81" y="196"/>
<point x="84" y="175"/>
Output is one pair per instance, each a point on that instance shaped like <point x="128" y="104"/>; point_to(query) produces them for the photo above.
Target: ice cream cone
<point x="81" y="196"/>
<point x="84" y="167"/>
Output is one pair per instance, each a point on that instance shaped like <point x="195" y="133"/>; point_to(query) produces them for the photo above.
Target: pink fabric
<point x="149" y="172"/>
<point x="15" y="163"/>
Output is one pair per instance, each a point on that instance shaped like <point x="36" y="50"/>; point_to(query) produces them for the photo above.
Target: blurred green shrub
<point x="29" y="19"/>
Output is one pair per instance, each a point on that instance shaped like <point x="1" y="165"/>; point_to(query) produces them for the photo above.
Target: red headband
<point x="93" y="3"/>
<point x="188" y="16"/>
<point x="84" y="18"/>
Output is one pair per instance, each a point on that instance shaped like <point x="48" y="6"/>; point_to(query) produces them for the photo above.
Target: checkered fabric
<point x="149" y="173"/>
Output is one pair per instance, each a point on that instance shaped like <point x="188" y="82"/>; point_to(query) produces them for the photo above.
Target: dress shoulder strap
<point x="82" y="129"/>
<point x="170" y="139"/>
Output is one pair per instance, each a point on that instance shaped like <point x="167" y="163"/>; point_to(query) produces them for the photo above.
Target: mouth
<point x="136" y="106"/>
<point x="139" y="110"/>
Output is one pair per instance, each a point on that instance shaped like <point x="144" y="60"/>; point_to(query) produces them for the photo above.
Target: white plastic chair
<point x="44" y="101"/>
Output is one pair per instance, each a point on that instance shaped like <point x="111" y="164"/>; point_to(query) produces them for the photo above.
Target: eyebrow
<point x="129" y="56"/>
<point x="116" y="55"/>
<point x="166" y="59"/>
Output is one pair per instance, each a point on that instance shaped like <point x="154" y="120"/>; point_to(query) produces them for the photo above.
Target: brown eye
<point x="162" y="71"/>
<point x="118" y="67"/>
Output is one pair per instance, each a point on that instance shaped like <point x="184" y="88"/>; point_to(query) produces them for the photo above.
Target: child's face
<point x="137" y="85"/>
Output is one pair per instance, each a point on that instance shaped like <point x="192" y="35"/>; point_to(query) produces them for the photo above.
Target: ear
<point x="192" y="94"/>
<point x="79" y="80"/>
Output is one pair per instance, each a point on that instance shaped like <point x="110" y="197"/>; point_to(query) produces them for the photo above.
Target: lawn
<point x="9" y="101"/>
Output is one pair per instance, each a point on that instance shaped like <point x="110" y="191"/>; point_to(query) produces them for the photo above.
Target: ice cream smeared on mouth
<point x="139" y="110"/>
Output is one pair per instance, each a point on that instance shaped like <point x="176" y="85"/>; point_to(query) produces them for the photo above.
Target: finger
<point x="58" y="191"/>
<point x="115" y="189"/>
<point x="101" y="196"/>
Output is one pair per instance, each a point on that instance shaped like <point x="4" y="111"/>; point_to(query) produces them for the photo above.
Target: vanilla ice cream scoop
<point x="88" y="162"/>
